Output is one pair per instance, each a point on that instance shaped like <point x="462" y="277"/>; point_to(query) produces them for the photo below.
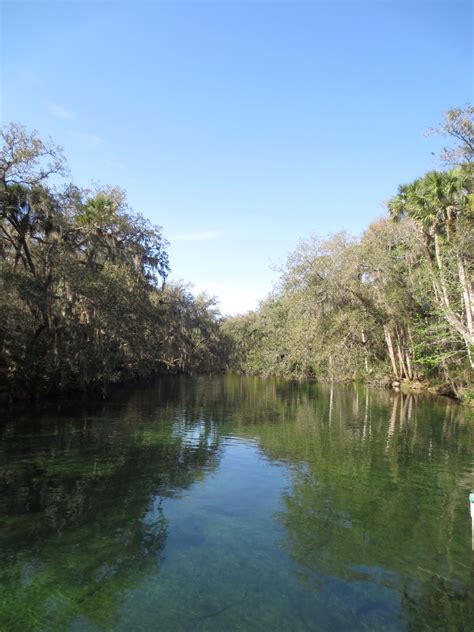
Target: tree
<point x="82" y="279"/>
<point x="440" y="208"/>
<point x="458" y="125"/>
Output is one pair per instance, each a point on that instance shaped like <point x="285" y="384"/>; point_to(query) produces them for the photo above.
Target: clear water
<point x="235" y="503"/>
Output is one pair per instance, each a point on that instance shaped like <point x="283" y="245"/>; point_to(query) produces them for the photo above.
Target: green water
<point x="238" y="504"/>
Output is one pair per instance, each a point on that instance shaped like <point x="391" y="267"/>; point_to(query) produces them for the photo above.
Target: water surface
<point x="236" y="503"/>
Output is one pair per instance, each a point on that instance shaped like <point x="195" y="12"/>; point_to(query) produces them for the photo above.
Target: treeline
<point x="84" y="298"/>
<point x="395" y="305"/>
<point x="83" y="295"/>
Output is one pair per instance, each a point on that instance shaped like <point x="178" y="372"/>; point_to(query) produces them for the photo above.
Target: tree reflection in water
<point x="84" y="496"/>
<point x="239" y="503"/>
<point x="376" y="501"/>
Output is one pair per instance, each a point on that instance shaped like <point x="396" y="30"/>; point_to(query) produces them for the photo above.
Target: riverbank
<point x="99" y="392"/>
<point x="462" y="395"/>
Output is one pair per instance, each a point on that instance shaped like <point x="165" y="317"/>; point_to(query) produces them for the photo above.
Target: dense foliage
<point x="395" y="304"/>
<point x="83" y="298"/>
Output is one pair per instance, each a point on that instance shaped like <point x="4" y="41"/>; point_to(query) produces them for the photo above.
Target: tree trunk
<point x="366" y="353"/>
<point x="391" y="352"/>
<point x="440" y="291"/>
<point x="466" y="290"/>
<point x="439" y="263"/>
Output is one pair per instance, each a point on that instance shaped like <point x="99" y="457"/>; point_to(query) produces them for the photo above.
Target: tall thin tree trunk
<point x="391" y="352"/>
<point x="408" y="365"/>
<point x="366" y="353"/>
<point x="441" y="295"/>
<point x="411" y="354"/>
<point x="466" y="290"/>
<point x="439" y="263"/>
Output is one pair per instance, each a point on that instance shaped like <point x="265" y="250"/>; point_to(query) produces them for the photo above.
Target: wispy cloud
<point x="200" y="236"/>
<point x="59" y="111"/>
<point x="30" y="78"/>
<point x="91" y="140"/>
<point x="114" y="164"/>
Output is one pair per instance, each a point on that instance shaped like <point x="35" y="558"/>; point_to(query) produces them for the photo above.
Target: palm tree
<point x="437" y="204"/>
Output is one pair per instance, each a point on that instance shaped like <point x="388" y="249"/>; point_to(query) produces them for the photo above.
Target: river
<point x="233" y="503"/>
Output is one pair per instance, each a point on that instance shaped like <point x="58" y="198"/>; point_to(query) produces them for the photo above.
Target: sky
<point x="240" y="127"/>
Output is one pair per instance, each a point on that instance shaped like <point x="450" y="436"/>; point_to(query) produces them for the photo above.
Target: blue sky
<point x="240" y="127"/>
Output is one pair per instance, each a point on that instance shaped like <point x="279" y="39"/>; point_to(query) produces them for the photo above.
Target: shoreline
<point x="96" y="394"/>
